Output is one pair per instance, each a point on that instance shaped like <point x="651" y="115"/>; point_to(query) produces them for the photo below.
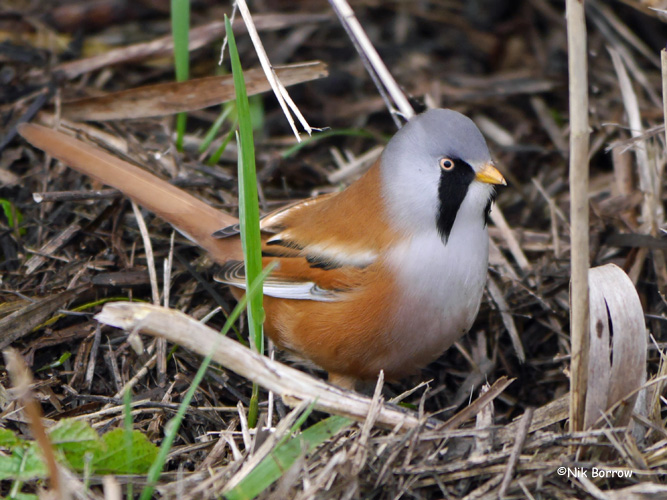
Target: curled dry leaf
<point x="618" y="342"/>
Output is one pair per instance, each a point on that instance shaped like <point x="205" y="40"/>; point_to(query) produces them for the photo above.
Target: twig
<point x="112" y="490"/>
<point x="22" y="380"/>
<point x="652" y="211"/>
<point x="293" y="385"/>
<point x="354" y="167"/>
<point x="359" y="450"/>
<point x="500" y="222"/>
<point x="554" y="213"/>
<point x="199" y="37"/>
<point x="100" y="194"/>
<point x="471" y="410"/>
<point x="279" y="89"/>
<point x="137" y="376"/>
<point x="50" y="247"/>
<point x="522" y="433"/>
<point x="508" y="321"/>
<point x="579" y="136"/>
<point x="155" y="292"/>
<point x="368" y="53"/>
<point x="282" y="429"/>
<point x="647" y="181"/>
<point x="663" y="60"/>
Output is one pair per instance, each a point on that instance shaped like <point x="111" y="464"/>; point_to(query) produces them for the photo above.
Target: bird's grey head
<point x="431" y="167"/>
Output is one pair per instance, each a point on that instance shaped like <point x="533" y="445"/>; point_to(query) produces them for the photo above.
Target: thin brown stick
<point x="199" y="37"/>
<point x="101" y="194"/>
<point x="522" y="433"/>
<point x="663" y="60"/>
<point x="579" y="137"/>
<point x="193" y="217"/>
<point x="476" y="406"/>
<point x="22" y="380"/>
<point x="50" y="247"/>
<point x="279" y="89"/>
<point x="366" y="50"/>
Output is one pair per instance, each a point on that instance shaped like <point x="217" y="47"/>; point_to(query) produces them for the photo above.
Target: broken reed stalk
<point x="579" y="137"/>
<point x="376" y="68"/>
<point x="663" y="59"/>
<point x="22" y="381"/>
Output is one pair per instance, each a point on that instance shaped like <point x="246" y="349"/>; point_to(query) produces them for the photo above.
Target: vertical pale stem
<point x="663" y="58"/>
<point x="579" y="136"/>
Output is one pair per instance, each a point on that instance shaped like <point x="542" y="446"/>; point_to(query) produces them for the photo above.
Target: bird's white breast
<point x="441" y="289"/>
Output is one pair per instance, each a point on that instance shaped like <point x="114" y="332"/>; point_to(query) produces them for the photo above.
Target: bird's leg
<point x="343" y="381"/>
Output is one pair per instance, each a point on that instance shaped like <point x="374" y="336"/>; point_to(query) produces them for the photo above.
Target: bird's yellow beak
<point x="490" y="175"/>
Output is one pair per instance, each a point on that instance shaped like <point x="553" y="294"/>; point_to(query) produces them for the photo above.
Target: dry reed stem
<point x="22" y="380"/>
<point x="522" y="433"/>
<point x="368" y="53"/>
<point x="155" y="292"/>
<point x="162" y="99"/>
<point x="663" y="60"/>
<point x="293" y="385"/>
<point x="285" y="101"/>
<point x="579" y="136"/>
<point x="200" y="36"/>
<point x="504" y="310"/>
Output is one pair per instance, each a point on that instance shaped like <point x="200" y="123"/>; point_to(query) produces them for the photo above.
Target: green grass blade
<point x="213" y="130"/>
<point x="13" y="215"/>
<point x="281" y="459"/>
<point x="154" y="473"/>
<point x="248" y="208"/>
<point x="215" y="157"/>
<point x="180" y="29"/>
<point x="248" y="198"/>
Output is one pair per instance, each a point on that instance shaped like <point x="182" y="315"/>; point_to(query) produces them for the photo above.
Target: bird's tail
<point x="188" y="214"/>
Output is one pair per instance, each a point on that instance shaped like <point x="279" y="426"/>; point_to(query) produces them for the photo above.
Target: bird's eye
<point x="446" y="163"/>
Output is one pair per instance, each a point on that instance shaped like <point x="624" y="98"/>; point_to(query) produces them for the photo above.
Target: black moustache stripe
<point x="452" y="191"/>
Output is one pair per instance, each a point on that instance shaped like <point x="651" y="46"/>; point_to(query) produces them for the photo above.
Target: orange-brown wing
<point x="322" y="245"/>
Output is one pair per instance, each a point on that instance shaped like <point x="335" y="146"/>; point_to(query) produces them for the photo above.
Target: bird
<point x="384" y="275"/>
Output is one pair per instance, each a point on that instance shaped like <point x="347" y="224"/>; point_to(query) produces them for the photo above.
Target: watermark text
<point x="593" y="472"/>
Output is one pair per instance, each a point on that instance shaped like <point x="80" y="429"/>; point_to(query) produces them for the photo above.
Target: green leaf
<point x="56" y="363"/>
<point x="75" y="438"/>
<point x="281" y="459"/>
<point x="248" y="198"/>
<point x="215" y="157"/>
<point x="256" y="104"/>
<point x="213" y="130"/>
<point x="180" y="29"/>
<point x="9" y="440"/>
<point x="172" y="429"/>
<point x="24" y="464"/>
<point x="248" y="210"/>
<point x="25" y="496"/>
<point x="114" y="459"/>
<point x="13" y="215"/>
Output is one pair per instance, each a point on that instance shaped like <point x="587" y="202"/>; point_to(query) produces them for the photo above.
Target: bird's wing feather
<point x="271" y="223"/>
<point x="294" y="278"/>
<point x="323" y="245"/>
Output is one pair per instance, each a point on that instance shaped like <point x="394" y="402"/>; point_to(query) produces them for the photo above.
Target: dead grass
<point x="502" y="63"/>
